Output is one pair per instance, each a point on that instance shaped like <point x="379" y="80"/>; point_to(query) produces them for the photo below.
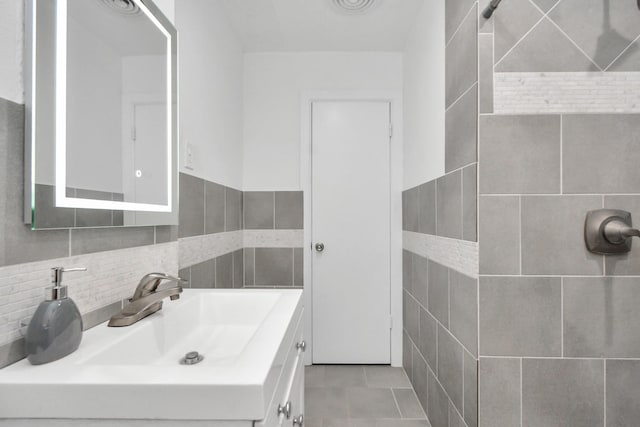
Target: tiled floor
<point x="360" y="396"/>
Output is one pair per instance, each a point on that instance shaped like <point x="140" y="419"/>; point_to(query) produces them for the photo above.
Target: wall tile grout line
<point x="495" y="64"/>
<point x="605" y="392"/>
<point x="457" y="30"/>
<point x="561" y="154"/>
<point x="521" y="394"/>
<point x="562" y="316"/>
<point x="520" y="233"/>
<point x="443" y="327"/>
<point x="474" y="84"/>
<point x="622" y="53"/>
<point x="575" y="44"/>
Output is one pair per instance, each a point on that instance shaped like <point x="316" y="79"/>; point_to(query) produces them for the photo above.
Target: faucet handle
<point x="161" y="276"/>
<point x="609" y="231"/>
<point x="150" y="282"/>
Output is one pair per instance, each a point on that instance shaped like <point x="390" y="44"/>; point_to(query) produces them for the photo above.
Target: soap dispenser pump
<point x="55" y="330"/>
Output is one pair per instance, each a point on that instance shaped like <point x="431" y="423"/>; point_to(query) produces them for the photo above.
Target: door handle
<point x="299" y="420"/>
<point x="319" y="247"/>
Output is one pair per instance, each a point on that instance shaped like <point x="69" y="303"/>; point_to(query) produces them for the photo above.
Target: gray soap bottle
<point x="55" y="330"/>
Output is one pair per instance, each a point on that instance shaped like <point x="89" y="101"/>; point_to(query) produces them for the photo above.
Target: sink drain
<point x="191" y="358"/>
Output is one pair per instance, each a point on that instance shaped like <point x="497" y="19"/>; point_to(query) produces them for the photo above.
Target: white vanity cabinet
<point x="253" y="347"/>
<point x="287" y="405"/>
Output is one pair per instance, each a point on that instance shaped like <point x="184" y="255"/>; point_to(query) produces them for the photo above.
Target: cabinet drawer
<point x="294" y="362"/>
<point x="296" y="396"/>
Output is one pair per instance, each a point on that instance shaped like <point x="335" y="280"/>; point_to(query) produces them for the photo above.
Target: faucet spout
<point x="147" y="299"/>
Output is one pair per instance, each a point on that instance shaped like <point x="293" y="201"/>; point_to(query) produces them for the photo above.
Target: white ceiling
<point x="128" y="35"/>
<point x="315" y="25"/>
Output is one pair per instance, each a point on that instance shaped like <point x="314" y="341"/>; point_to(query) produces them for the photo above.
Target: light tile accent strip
<point x="459" y="255"/>
<point x="273" y="238"/>
<point x="572" y="92"/>
<point x="197" y="249"/>
<point x="110" y="277"/>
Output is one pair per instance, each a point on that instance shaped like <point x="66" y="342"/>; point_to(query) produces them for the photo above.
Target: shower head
<point x="492" y="7"/>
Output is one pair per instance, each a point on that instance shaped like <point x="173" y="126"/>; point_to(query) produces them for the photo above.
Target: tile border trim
<point x="459" y="255"/>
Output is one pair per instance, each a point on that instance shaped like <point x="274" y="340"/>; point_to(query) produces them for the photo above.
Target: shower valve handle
<point x="609" y="231"/>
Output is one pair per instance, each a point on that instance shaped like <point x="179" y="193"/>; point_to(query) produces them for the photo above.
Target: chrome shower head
<point x="492" y="7"/>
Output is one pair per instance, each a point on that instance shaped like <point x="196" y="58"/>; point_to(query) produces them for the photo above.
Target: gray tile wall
<point x="565" y="35"/>
<point x="558" y="333"/>
<point x="249" y="268"/>
<point x="207" y="208"/>
<point x="446" y="206"/>
<point x="441" y="339"/>
<point x="223" y="272"/>
<point x="440" y="305"/>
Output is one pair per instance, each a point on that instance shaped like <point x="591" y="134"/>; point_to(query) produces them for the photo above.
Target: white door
<point x="351" y="218"/>
<point x="150" y="153"/>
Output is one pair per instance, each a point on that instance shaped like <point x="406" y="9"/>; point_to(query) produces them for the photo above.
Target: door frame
<point x="394" y="97"/>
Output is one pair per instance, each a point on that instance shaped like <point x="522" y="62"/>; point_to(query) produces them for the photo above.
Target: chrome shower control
<point x="302" y="345"/>
<point x="285" y="410"/>
<point x="319" y="247"/>
<point x="299" y="420"/>
<point x="609" y="231"/>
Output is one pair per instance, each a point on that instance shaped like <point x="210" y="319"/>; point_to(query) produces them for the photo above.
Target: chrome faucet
<point x="147" y="299"/>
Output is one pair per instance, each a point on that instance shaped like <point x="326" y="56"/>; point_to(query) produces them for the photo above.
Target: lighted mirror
<point x="102" y="122"/>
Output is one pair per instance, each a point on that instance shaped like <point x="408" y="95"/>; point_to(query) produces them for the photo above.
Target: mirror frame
<point x="169" y="210"/>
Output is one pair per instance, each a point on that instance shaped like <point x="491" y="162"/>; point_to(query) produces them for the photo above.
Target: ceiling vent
<point x="354" y="7"/>
<point x="125" y="7"/>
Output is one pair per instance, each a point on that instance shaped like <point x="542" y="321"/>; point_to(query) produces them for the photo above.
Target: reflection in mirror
<point x="102" y="133"/>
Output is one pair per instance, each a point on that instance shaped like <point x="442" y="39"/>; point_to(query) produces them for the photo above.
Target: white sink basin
<point x="135" y="372"/>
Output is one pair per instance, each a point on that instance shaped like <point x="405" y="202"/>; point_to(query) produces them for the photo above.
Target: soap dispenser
<point x="55" y="330"/>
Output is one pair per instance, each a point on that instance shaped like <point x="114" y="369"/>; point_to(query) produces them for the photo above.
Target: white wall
<point x="11" y="36"/>
<point x="424" y="97"/>
<point x="168" y="8"/>
<point x="273" y="85"/>
<point x="210" y="92"/>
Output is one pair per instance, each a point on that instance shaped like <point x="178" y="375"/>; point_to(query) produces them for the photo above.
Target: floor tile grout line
<point x="395" y="400"/>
